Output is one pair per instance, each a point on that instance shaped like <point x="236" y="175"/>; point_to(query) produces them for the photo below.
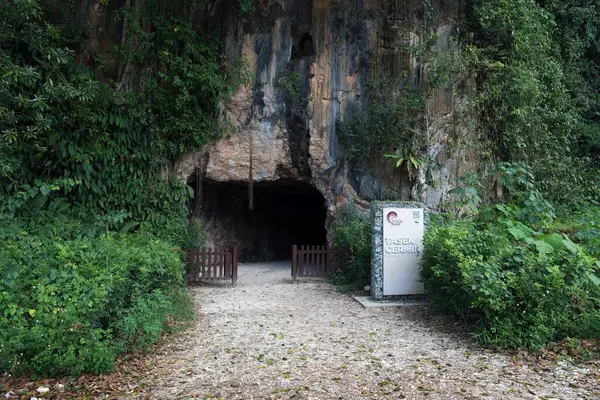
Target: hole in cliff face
<point x="305" y="47"/>
<point x="286" y="212"/>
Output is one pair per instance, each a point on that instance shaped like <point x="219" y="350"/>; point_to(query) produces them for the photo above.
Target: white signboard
<point x="403" y="230"/>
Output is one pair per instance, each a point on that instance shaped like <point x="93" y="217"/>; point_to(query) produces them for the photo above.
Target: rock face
<point x="311" y="61"/>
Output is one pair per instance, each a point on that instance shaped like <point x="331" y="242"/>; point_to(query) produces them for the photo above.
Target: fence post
<point x="202" y="262"/>
<point x="294" y="262"/>
<point x="193" y="261"/>
<point x="227" y="270"/>
<point x="222" y="271"/>
<point x="187" y="265"/>
<point x="234" y="267"/>
<point x="322" y="251"/>
<point x="197" y="275"/>
<point x="328" y="272"/>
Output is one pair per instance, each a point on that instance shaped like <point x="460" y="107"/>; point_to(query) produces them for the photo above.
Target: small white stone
<point x="43" y="389"/>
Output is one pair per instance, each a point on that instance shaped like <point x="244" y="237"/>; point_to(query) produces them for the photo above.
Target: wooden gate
<point x="208" y="264"/>
<point x="316" y="261"/>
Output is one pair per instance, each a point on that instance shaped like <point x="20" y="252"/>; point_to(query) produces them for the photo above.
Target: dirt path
<point x="268" y="338"/>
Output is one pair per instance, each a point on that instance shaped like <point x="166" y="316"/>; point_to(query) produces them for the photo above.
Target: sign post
<point x="398" y="230"/>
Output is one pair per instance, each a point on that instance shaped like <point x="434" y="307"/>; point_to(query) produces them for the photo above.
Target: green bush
<point x="520" y="287"/>
<point x="523" y="275"/>
<point x="589" y="232"/>
<point x="71" y="305"/>
<point x="352" y="232"/>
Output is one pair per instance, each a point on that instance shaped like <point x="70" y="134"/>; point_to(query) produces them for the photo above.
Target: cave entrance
<point x="285" y="212"/>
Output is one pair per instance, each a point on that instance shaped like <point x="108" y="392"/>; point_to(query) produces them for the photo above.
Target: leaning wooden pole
<point x="250" y="179"/>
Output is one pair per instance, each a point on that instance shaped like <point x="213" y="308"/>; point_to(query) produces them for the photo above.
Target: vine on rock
<point x="59" y="121"/>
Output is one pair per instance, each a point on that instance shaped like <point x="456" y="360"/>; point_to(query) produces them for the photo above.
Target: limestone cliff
<point x="311" y="60"/>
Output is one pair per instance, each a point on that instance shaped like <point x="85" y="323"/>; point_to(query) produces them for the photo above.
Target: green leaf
<point x="572" y="247"/>
<point x="518" y="233"/>
<point x="594" y="278"/>
<point x="553" y="239"/>
<point x="45" y="190"/>
<point x="543" y="247"/>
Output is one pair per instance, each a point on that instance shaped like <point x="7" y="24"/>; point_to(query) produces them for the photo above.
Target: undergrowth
<point x="352" y="232"/>
<point x="514" y="271"/>
<point x="71" y="303"/>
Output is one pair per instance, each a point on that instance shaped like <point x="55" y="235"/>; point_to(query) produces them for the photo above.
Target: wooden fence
<point x="316" y="261"/>
<point x="208" y="264"/>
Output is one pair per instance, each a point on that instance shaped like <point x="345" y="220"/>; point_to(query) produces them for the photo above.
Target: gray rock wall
<point x="322" y="49"/>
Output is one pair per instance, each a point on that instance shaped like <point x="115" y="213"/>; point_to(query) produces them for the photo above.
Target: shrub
<point x="520" y="287"/>
<point x="352" y="232"/>
<point x="589" y="232"/>
<point x="180" y="231"/>
<point x="71" y="305"/>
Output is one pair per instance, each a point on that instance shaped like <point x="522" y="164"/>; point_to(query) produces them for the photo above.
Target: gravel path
<point x="267" y="338"/>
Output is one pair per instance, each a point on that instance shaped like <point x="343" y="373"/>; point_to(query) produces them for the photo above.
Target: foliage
<point x="512" y="271"/>
<point x="246" y="7"/>
<point x="466" y="198"/>
<point x="519" y="293"/>
<point x="411" y="161"/>
<point x="179" y="99"/>
<point x="525" y="270"/>
<point x="351" y="231"/>
<point x="185" y="233"/>
<point x="524" y="88"/>
<point x="587" y="230"/>
<point x="537" y="102"/>
<point x="519" y="181"/>
<point x="71" y="303"/>
<point x="85" y="188"/>
<point x="388" y="123"/>
<point x="113" y="142"/>
<point x="577" y="34"/>
<point x="292" y="86"/>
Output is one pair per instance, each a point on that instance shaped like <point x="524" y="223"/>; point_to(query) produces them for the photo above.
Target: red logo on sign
<point x="393" y="218"/>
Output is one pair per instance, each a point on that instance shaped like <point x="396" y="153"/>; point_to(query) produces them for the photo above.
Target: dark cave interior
<point x="285" y="212"/>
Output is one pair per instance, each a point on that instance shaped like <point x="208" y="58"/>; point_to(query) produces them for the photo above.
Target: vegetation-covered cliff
<point x="128" y="122"/>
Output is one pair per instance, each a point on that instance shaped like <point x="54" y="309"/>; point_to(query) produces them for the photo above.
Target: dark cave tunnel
<point x="285" y="212"/>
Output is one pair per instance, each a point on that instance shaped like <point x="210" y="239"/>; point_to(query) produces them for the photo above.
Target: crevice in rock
<point x="305" y="47"/>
